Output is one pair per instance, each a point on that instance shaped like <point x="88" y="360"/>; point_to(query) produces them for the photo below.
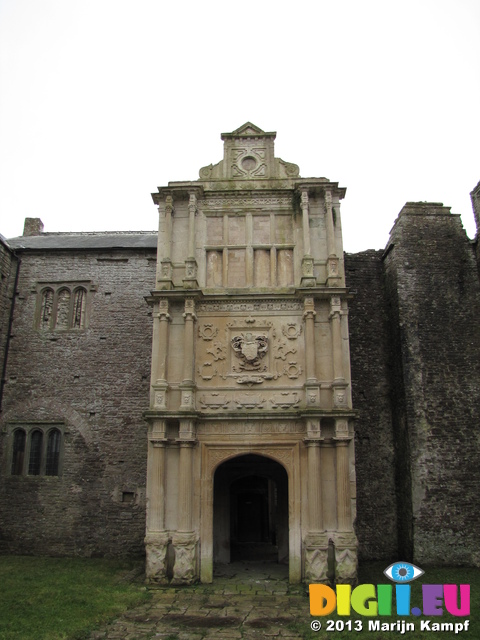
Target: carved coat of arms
<point x="250" y="350"/>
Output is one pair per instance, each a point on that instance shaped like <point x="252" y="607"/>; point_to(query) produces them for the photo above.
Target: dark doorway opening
<point x="250" y="511"/>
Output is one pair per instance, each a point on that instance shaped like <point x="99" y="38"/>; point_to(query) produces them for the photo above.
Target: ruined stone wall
<point x="376" y="524"/>
<point x="434" y="300"/>
<point x="93" y="384"/>
<point x="8" y="267"/>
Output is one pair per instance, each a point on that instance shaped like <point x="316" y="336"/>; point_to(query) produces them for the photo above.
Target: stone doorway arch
<point x="281" y="465"/>
<point x="250" y="510"/>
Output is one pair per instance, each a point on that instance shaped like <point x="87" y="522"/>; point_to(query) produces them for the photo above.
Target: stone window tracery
<point x="36" y="451"/>
<point x="63" y="306"/>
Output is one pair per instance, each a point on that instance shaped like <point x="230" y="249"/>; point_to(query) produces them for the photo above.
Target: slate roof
<point x="91" y="240"/>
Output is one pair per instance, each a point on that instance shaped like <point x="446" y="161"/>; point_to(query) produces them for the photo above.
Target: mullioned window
<point x="36" y="450"/>
<point x="63" y="306"/>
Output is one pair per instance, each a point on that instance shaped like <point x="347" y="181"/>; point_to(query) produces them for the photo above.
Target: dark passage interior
<point x="250" y="511"/>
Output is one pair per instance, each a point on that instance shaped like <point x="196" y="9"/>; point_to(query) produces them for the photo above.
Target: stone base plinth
<point x="185" y="567"/>
<point x="156" y="544"/>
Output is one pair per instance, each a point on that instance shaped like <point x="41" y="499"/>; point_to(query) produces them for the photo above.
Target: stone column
<point x="316" y="540"/>
<point x="165" y="266"/>
<point x="339" y="385"/>
<point x="156" y="539"/>
<point x="161" y="319"/>
<point x="345" y="539"/>
<point x="308" y="279"/>
<point x="332" y="260"/>
<point x="190" y="280"/>
<point x="185" y="540"/>
<point x="187" y="386"/>
<point x="314" y="486"/>
<point x="312" y="388"/>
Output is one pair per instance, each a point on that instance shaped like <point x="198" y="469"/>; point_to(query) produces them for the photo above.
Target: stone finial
<point x="32" y="227"/>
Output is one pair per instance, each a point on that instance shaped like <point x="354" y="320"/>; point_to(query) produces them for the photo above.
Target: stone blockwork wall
<point x="376" y="524"/>
<point x="94" y="383"/>
<point x="8" y="267"/>
<point x="434" y="296"/>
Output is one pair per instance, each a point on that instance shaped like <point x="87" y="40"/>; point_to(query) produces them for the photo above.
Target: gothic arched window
<point x="53" y="452"/>
<point x="18" y="452"/>
<point x="46" y="309"/>
<point x="35" y="458"/>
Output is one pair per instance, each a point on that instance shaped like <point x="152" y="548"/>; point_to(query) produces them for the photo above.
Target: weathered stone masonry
<point x="415" y="366"/>
<point x="92" y="383"/>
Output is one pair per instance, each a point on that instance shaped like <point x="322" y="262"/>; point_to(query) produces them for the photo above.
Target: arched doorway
<point x="250" y="517"/>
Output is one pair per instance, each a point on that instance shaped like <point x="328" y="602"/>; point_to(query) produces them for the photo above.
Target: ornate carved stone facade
<point x="250" y="371"/>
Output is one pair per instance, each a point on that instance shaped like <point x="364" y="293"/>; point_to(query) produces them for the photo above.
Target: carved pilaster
<point x="165" y="266"/>
<point x="333" y="276"/>
<point x="344" y="521"/>
<point x="312" y="388"/>
<point x="305" y="222"/>
<point x="187" y="387"/>
<point x="185" y="540"/>
<point x="190" y="280"/>
<point x="314" y="487"/>
<point x="337" y="346"/>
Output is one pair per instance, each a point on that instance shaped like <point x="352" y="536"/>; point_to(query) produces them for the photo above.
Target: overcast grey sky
<point x="101" y="101"/>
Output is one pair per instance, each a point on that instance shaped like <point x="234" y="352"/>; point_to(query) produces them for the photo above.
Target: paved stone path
<point x="246" y="601"/>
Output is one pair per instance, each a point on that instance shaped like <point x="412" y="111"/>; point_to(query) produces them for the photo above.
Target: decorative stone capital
<point x="309" y="308"/>
<point x="189" y="313"/>
<point x="328" y="199"/>
<point x="186" y="434"/>
<point x="304" y="199"/>
<point x="335" y="306"/>
<point x="169" y="205"/>
<point x="192" y="202"/>
<point x="341" y="430"/>
<point x="313" y="430"/>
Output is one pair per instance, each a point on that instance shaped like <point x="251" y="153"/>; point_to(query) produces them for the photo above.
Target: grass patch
<point x="62" y="598"/>
<point x="372" y="573"/>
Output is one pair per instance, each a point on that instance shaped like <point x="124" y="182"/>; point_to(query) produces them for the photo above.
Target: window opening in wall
<point x="63" y="307"/>
<point x="47" y="306"/>
<point x="79" y="308"/>
<point x="53" y="453"/>
<point x="36" y="451"/>
<point x="18" y="453"/>
<point x="35" y="459"/>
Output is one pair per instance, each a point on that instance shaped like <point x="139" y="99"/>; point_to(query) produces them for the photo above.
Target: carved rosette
<point x="156" y="545"/>
<point x="185" y="567"/>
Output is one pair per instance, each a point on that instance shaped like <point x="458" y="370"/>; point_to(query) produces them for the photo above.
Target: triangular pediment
<point x="248" y="129"/>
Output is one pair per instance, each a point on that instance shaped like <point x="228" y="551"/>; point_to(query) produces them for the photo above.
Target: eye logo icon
<point x="403" y="572"/>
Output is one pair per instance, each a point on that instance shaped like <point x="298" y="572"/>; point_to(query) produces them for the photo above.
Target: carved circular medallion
<point x="249" y="163"/>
